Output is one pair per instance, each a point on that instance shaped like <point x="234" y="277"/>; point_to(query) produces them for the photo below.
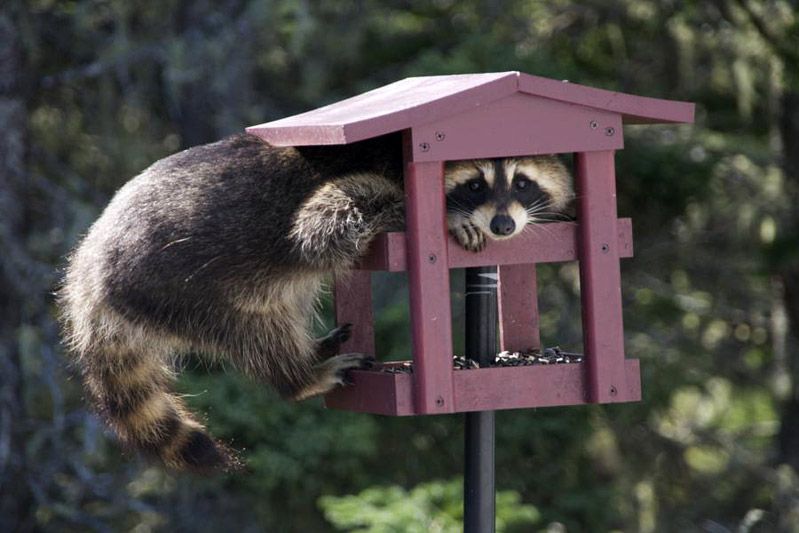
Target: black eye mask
<point x="468" y="196"/>
<point x="530" y="195"/>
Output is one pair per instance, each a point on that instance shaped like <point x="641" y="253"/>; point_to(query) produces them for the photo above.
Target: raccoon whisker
<point x="458" y="215"/>
<point x="547" y="200"/>
<point x="537" y="224"/>
<point x="540" y="206"/>
<point x="542" y="200"/>
<point x="459" y="211"/>
<point x="458" y="208"/>
<point x="542" y="227"/>
<point x="457" y="205"/>
<point x="544" y="208"/>
<point x="549" y="216"/>
<point x="534" y="213"/>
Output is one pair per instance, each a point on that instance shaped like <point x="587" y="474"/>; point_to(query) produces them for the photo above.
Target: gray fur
<point x="221" y="249"/>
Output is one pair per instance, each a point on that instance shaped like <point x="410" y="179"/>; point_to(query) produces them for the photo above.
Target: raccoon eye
<point x="476" y="185"/>
<point x="522" y="182"/>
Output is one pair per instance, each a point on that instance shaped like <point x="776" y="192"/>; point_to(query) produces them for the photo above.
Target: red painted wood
<point x="550" y="243"/>
<point x="634" y="109"/>
<point x="352" y="294"/>
<point x="518" y="308"/>
<point x="375" y="392"/>
<point x="386" y="253"/>
<point x="428" y="283"/>
<point x="539" y="386"/>
<point x="413" y="102"/>
<point x="394" y="107"/>
<point x="509" y="127"/>
<point x="484" y="389"/>
<point x="489" y="115"/>
<point x="600" y="278"/>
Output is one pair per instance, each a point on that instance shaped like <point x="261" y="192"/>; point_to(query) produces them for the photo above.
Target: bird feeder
<point x="488" y="116"/>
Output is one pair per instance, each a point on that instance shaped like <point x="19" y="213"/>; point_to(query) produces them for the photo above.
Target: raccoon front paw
<point x="470" y="237"/>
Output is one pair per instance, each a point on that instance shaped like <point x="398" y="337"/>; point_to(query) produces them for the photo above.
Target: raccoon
<point x="222" y="250"/>
<point x="498" y="198"/>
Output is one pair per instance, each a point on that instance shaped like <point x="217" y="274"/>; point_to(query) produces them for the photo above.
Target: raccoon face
<point x="498" y="198"/>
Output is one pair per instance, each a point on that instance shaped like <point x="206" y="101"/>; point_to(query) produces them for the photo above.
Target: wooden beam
<point x="600" y="277"/>
<point x="428" y="282"/>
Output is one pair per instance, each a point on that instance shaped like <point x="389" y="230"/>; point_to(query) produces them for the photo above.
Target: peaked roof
<point x="420" y="100"/>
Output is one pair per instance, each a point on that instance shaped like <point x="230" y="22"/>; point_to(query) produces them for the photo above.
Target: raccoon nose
<point x="502" y="225"/>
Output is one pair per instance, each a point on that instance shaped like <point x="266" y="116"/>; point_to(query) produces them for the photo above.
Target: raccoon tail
<point x="134" y="393"/>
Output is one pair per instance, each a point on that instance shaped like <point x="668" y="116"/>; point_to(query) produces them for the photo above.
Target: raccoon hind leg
<point x="334" y="372"/>
<point x="276" y="348"/>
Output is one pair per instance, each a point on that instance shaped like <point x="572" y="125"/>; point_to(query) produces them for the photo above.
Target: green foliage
<point x="110" y="86"/>
<point x="431" y="507"/>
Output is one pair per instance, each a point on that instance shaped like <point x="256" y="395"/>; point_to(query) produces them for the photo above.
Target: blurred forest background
<point x="91" y="92"/>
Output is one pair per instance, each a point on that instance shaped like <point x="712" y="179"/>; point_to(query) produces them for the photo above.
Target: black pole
<point x="481" y="345"/>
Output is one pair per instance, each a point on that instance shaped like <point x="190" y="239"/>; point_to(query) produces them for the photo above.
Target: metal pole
<point x="479" y="493"/>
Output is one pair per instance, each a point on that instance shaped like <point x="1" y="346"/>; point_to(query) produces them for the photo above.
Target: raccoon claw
<point x="343" y="364"/>
<point x="341" y="334"/>
<point x="470" y="237"/>
<point x="329" y="345"/>
<point x="367" y="363"/>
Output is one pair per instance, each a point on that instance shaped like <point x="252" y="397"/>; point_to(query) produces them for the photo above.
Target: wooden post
<point x="600" y="276"/>
<point x="518" y="308"/>
<point x="352" y="297"/>
<point x="428" y="282"/>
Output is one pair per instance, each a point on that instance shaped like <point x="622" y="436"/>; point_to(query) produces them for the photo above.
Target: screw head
<point x="593" y="124"/>
<point x="424" y="147"/>
<point x="610" y="131"/>
<point x="431" y="258"/>
<point x="613" y="390"/>
<point x="440" y="135"/>
<point x="605" y="248"/>
<point x="440" y="401"/>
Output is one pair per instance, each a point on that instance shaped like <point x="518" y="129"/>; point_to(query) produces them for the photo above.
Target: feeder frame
<point x="488" y="116"/>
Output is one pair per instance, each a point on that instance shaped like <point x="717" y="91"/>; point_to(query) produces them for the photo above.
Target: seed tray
<point x="547" y="356"/>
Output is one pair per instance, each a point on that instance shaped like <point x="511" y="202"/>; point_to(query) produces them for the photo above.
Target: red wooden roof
<point x="416" y="101"/>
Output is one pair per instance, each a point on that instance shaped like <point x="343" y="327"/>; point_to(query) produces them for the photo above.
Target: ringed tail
<point x="134" y="393"/>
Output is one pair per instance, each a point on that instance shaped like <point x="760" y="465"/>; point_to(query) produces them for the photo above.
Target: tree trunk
<point x="788" y="439"/>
